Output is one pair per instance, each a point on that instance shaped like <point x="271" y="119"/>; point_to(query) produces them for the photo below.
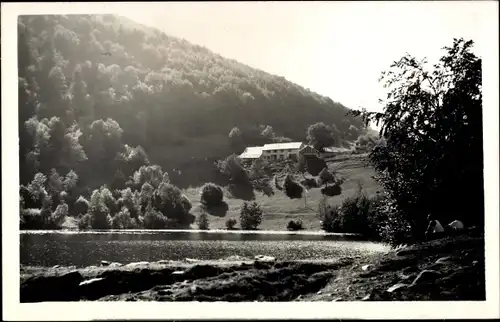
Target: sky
<point x="337" y="49"/>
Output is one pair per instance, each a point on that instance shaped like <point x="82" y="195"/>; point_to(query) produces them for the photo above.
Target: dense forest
<point x="102" y="95"/>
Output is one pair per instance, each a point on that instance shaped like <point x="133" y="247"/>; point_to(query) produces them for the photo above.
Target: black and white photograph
<point x="222" y="153"/>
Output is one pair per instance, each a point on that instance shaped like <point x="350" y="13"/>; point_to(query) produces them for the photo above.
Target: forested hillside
<point x="102" y="95"/>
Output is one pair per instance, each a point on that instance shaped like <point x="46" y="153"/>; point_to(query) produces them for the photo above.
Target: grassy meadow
<point x="279" y="209"/>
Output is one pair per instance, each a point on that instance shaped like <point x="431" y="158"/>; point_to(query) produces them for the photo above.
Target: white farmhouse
<point x="283" y="151"/>
<point x="251" y="153"/>
<point x="278" y="151"/>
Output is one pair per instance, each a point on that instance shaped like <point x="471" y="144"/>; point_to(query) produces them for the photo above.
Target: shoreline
<point x="445" y="269"/>
<point x="211" y="231"/>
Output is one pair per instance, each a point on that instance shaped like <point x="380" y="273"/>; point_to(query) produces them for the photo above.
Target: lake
<point x="69" y="248"/>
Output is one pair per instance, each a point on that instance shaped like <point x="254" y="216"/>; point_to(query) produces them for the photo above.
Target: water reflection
<point x="83" y="249"/>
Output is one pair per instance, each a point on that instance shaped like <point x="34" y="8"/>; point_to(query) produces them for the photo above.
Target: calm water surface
<point x="89" y="248"/>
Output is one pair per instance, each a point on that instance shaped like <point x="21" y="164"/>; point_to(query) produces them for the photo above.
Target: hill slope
<point x="91" y="84"/>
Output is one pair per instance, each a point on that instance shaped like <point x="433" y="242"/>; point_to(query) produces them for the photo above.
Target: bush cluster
<point x="293" y="189"/>
<point x="230" y="223"/>
<point x="202" y="221"/>
<point x="294" y="225"/>
<point x="250" y="216"/>
<point x="211" y="195"/>
<point x="358" y="214"/>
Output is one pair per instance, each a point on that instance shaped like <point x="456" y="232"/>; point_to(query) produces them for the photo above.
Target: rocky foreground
<point x="445" y="269"/>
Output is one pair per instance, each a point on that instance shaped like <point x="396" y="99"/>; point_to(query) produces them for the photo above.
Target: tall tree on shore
<point x="431" y="117"/>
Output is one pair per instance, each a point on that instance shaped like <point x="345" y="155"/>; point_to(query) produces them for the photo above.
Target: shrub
<point x="293" y="190"/>
<point x="326" y="177"/>
<point x="44" y="218"/>
<point x="263" y="186"/>
<point x="315" y="165"/>
<point x="202" y="221"/>
<point x="70" y="181"/>
<point x="154" y="219"/>
<point x="230" y="223"/>
<point x="170" y="201"/>
<point x="320" y="135"/>
<point x="54" y="184"/>
<point x="31" y="218"/>
<point x="241" y="191"/>
<point x="232" y="168"/>
<point x="85" y="222"/>
<point x="59" y="215"/>
<point x="133" y="158"/>
<point x="211" y="195"/>
<point x="260" y="169"/>
<point x="98" y="211"/>
<point x="365" y="143"/>
<point x="294" y="225"/>
<point x="109" y="200"/>
<point x="250" y="216"/>
<point x="153" y="174"/>
<point x="123" y="220"/>
<point x="357" y="214"/>
<point x="393" y="227"/>
<point x="146" y="195"/>
<point x="129" y="200"/>
<point x="331" y="191"/>
<point x="329" y="216"/>
<point x="217" y="211"/>
<point x="36" y="194"/>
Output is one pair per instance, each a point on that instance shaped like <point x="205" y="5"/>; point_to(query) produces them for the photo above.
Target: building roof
<point x="309" y="147"/>
<point x="336" y="149"/>
<point x="252" y="152"/>
<point x="282" y="146"/>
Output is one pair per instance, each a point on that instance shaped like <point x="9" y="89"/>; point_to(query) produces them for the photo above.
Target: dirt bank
<point x="447" y="269"/>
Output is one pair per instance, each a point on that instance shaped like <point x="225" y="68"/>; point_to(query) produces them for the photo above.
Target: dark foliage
<point x="219" y="210"/>
<point x="294" y="225"/>
<point x="314" y="165"/>
<point x="292" y="189"/>
<point x="332" y="191"/>
<point x="211" y="195"/>
<point x="250" y="215"/>
<point x="431" y="116"/>
<point x="326" y="177"/>
<point x="358" y="214"/>
<point x="321" y="135"/>
<point x="202" y="221"/>
<point x="243" y="192"/>
<point x="230" y="223"/>
<point x="174" y="206"/>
